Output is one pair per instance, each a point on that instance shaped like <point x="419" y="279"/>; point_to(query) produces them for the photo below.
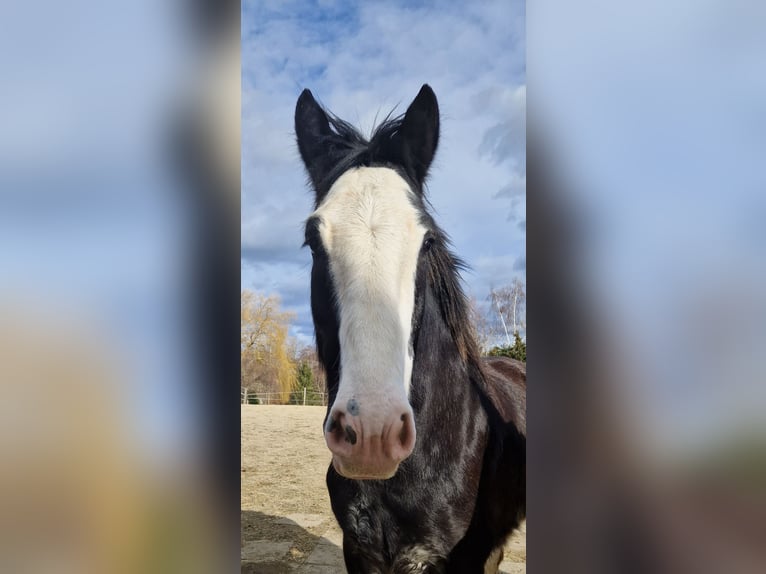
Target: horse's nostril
<point x="332" y="425"/>
<point x="350" y="434"/>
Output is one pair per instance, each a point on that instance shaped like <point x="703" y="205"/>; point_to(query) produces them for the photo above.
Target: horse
<point x="428" y="439"/>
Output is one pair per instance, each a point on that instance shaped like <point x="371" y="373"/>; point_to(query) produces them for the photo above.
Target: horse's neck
<point x="442" y="389"/>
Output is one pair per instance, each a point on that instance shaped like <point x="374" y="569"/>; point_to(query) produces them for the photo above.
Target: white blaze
<point x="372" y="233"/>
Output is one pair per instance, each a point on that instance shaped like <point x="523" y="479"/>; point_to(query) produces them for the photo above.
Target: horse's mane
<point x="444" y="269"/>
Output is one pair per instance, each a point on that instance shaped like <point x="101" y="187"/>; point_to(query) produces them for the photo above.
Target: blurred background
<point x="646" y="287"/>
<point x="119" y="218"/>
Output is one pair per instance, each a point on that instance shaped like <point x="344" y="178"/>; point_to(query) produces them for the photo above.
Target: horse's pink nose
<point x="363" y="449"/>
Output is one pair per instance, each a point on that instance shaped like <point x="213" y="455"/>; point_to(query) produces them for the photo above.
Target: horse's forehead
<point x="366" y="197"/>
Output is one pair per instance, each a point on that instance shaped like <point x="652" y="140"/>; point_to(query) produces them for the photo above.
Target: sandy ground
<point x="287" y="524"/>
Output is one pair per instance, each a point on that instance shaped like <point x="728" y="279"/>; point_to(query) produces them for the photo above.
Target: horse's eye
<point x="312" y="239"/>
<point x="427" y="243"/>
<point x="312" y="245"/>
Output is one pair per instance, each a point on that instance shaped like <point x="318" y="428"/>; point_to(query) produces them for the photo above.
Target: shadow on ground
<point x="277" y="544"/>
<point x="308" y="544"/>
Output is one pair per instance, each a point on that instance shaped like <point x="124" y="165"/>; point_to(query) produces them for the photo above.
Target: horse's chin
<point x="355" y="473"/>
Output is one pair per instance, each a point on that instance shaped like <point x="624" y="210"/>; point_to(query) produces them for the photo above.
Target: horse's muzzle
<point x="361" y="453"/>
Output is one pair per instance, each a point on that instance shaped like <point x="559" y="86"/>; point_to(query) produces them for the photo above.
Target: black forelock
<point x="352" y="149"/>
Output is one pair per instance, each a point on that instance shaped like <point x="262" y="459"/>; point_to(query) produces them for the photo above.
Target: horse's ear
<point x="311" y="130"/>
<point x="419" y="133"/>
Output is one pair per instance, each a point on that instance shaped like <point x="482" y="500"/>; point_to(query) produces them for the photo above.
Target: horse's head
<point x="367" y="235"/>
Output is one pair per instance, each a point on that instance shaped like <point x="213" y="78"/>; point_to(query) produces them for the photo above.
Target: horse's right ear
<point x="419" y="133"/>
<point x="312" y="128"/>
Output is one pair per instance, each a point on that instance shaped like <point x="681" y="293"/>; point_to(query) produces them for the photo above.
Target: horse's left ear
<point x="312" y="129"/>
<point x="419" y="133"/>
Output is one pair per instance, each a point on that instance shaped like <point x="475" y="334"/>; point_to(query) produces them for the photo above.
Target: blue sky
<point x="362" y="60"/>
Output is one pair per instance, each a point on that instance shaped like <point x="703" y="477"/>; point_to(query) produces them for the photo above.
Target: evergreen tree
<point x="516" y="351"/>
<point x="304" y="379"/>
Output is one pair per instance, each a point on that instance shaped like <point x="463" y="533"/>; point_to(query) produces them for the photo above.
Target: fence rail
<point x="304" y="397"/>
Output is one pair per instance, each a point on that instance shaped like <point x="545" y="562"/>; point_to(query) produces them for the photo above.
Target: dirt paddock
<point x="287" y="524"/>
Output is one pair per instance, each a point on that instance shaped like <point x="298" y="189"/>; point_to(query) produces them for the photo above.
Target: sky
<point x="361" y="60"/>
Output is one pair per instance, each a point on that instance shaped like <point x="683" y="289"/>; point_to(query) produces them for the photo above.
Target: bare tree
<point x="482" y="328"/>
<point x="509" y="309"/>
